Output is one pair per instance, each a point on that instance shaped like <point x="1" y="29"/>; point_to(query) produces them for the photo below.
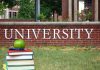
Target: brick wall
<point x="94" y="41"/>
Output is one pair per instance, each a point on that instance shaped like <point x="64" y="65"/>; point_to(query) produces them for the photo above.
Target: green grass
<point x="2" y="57"/>
<point x="67" y="59"/>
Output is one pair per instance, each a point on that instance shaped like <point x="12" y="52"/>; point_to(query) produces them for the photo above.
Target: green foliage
<point x="89" y="15"/>
<point x="10" y="3"/>
<point x="2" y="7"/>
<point x="49" y="6"/>
<point x="86" y="16"/>
<point x="41" y="17"/>
<point x="27" y="9"/>
<point x="3" y="52"/>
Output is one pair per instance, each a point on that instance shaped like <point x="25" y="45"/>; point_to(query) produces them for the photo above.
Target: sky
<point x="81" y="6"/>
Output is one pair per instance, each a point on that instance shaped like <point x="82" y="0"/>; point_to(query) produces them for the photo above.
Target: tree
<point x="27" y="9"/>
<point x="2" y="7"/>
<point x="10" y="3"/>
<point x="49" y="6"/>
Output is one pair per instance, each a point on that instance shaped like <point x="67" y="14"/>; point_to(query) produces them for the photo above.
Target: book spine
<point x="19" y="57"/>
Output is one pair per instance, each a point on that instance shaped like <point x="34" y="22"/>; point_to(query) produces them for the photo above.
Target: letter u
<point x="8" y="33"/>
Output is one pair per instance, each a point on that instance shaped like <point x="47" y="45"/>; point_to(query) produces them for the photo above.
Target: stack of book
<point x="20" y="59"/>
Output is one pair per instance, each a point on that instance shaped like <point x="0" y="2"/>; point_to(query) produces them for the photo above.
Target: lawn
<point x="67" y="58"/>
<point x="2" y="57"/>
<point x="55" y="58"/>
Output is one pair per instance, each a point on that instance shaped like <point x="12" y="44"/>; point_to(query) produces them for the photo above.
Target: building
<point x="70" y="9"/>
<point x="10" y="13"/>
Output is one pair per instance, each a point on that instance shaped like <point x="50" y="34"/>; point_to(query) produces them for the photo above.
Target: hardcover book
<point x="20" y="62"/>
<point x="19" y="57"/>
<point x="21" y="68"/>
<point x="20" y="52"/>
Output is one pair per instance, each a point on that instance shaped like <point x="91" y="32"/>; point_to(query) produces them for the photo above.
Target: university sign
<point x="48" y="33"/>
<point x="51" y="33"/>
